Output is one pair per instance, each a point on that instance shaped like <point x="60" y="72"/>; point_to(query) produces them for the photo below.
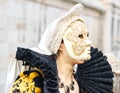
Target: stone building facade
<point x="23" y="22"/>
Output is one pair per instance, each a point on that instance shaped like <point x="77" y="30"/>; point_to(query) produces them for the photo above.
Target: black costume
<point x="94" y="76"/>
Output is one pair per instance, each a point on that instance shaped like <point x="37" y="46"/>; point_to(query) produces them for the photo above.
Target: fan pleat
<point x="98" y="88"/>
<point x="99" y="69"/>
<point x="99" y="80"/>
<point x="92" y="63"/>
<point x="96" y="74"/>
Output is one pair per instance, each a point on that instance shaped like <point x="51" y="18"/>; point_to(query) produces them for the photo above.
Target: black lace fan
<point x="96" y="75"/>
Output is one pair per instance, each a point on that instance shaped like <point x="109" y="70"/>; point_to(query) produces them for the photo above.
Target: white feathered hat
<point x="52" y="37"/>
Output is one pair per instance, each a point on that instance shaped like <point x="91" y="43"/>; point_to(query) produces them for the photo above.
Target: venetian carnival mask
<point x="76" y="41"/>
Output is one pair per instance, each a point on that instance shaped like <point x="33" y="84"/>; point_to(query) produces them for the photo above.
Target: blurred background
<point x="22" y="23"/>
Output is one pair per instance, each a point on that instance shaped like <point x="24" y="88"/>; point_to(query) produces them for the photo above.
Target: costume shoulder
<point x="46" y="64"/>
<point x="95" y="75"/>
<point x="30" y="81"/>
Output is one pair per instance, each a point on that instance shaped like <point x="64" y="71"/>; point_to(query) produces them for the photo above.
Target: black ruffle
<point x="96" y="74"/>
<point x="42" y="62"/>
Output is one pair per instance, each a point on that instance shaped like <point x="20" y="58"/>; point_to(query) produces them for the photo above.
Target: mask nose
<point x="88" y="42"/>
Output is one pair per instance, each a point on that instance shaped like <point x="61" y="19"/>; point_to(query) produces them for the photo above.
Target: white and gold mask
<point x="76" y="41"/>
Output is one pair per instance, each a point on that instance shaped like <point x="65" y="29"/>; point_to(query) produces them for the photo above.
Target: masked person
<point x="64" y="61"/>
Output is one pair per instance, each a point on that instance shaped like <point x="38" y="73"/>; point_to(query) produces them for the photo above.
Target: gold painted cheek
<point x="78" y="48"/>
<point x="78" y="45"/>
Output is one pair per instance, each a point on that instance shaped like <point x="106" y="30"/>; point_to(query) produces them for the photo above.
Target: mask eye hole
<point x="87" y="35"/>
<point x="80" y="36"/>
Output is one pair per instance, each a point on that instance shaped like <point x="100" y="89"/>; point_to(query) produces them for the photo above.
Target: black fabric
<point x="94" y="75"/>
